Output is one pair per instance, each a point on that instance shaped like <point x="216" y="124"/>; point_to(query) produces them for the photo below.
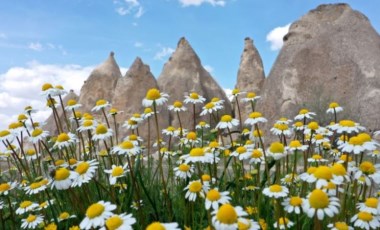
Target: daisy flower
<point x="6" y="187"/>
<point x="177" y="107"/>
<point x="84" y="172"/>
<point x="339" y="226"/>
<point x="214" y="198"/>
<point x="126" y="148"/>
<point x="283" y="223"/>
<point x="313" y="127"/>
<point x="226" y="121"/>
<point x="26" y="206"/>
<point x="322" y="175"/>
<point x="248" y="224"/>
<point x="354" y="145"/>
<point x="45" y="204"/>
<point x="334" y="108"/>
<point x="194" y="189"/>
<point x="319" y="139"/>
<point x="148" y="112"/>
<point x="163" y="226"/>
<point x="136" y="140"/>
<point x="184" y="171"/>
<point x="366" y="220"/>
<point x="255" y="118"/>
<point x="370" y="205"/>
<point x="250" y="97"/>
<point x="194" y="98"/>
<point x="65" y="140"/>
<point x="59" y="90"/>
<point x="281" y="128"/>
<point x="96" y="215"/>
<point x="242" y="153"/>
<point x="227" y="217"/>
<point x="116" y="172"/>
<point x="32" y="221"/>
<point x="6" y="135"/>
<point x="198" y="155"/>
<point x="119" y="222"/>
<point x="257" y="156"/>
<point x="72" y="104"/>
<point x="36" y="187"/>
<point x="369" y="171"/>
<point x="298" y="126"/>
<point x="100" y="104"/>
<point x="347" y="126"/>
<point x="48" y="90"/>
<point x="276" y="191"/>
<point x="320" y="204"/>
<point x="16" y="128"/>
<point x="202" y="125"/>
<point x="296" y="145"/>
<point x="209" y="108"/>
<point x="190" y="139"/>
<point x="290" y="179"/>
<point x="114" y="112"/>
<point x="368" y="143"/>
<point x="65" y="216"/>
<point x="62" y="179"/>
<point x="293" y="204"/>
<point x="102" y="133"/>
<point x="131" y="124"/>
<point x="276" y="150"/>
<point x="316" y="158"/>
<point x="87" y="125"/>
<point x="154" y="96"/>
<point x="217" y="101"/>
<point x="30" y="154"/>
<point x="339" y="173"/>
<point x="169" y="131"/>
<point x="304" y="114"/>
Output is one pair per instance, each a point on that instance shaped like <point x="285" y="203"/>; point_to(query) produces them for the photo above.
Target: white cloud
<point x="139" y="12"/>
<point x="36" y="46"/>
<point x="275" y="36"/>
<point x="165" y="51"/>
<point x="121" y="11"/>
<point x="229" y="94"/>
<point x="186" y="3"/>
<point x="21" y="86"/>
<point x="138" y="44"/>
<point x="209" y="69"/>
<point x="127" y="7"/>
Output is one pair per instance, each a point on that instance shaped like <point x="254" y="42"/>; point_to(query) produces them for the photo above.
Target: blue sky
<point x="49" y="40"/>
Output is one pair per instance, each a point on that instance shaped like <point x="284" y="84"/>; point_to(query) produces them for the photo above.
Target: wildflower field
<point x="219" y="174"/>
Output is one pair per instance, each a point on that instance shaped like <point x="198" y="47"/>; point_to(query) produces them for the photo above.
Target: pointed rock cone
<point x="100" y="84"/>
<point x="184" y="74"/>
<point x="331" y="54"/>
<point x="50" y="124"/>
<point x="250" y="77"/>
<point x="129" y="93"/>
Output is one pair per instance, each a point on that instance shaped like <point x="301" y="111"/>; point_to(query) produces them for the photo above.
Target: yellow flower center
<point x="88" y="123"/>
<point x="4" y="133"/>
<point x="243" y="226"/>
<point x="295" y="144"/>
<point x="101" y="129"/>
<point x="295" y="201"/>
<point x="117" y="171"/>
<point x="226" y="118"/>
<point x="213" y="195"/>
<point x="95" y="210"/>
<point x="283" y="221"/>
<point x="4" y="187"/>
<point x="36" y="132"/>
<point x="213" y="144"/>
<point x="15" y="125"/>
<point x="63" y="137"/>
<point x="318" y="199"/>
<point x="251" y="95"/>
<point x="227" y="214"/>
<point x="59" y="87"/>
<point x="46" y="86"/>
<point x="101" y="102"/>
<point x="184" y="167"/>
<point x="275" y="188"/>
<point x="30" y="152"/>
<point x="155" y="226"/>
<point x="61" y="174"/>
<point x="64" y="215"/>
<point x="31" y="218"/>
<point x="255" y="115"/>
<point x="330" y="185"/>
<point x="35" y="185"/>
<point x="355" y="141"/>
<point x="147" y="110"/>
<point x="371" y="202"/>
<point x="88" y="116"/>
<point x="318" y="137"/>
<point x="341" y="226"/>
<point x="197" y="152"/>
<point x="257" y="133"/>
<point x="317" y="157"/>
<point x="323" y="172"/>
<point x="27" y="108"/>
<point x="303" y="111"/>
<point x="132" y="122"/>
<point x="256" y="153"/>
<point x="114" y="222"/>
<point x="191" y="136"/>
<point x="282" y="127"/>
<point x="313" y="125"/>
<point x="347" y="123"/>
<point x="235" y="91"/>
<point x="153" y="94"/>
<point x="82" y="168"/>
<point x="71" y="102"/>
<point x="113" y="111"/>
<point x="195" y="186"/>
<point x="333" y="105"/>
<point x="177" y="104"/>
<point x="126" y="145"/>
<point x="365" y="137"/>
<point x="276" y="147"/>
<point x="241" y="149"/>
<point x="25" y="204"/>
<point x="209" y="105"/>
<point x="206" y="177"/>
<point x="366" y="216"/>
<point x="194" y="96"/>
<point x="136" y="115"/>
<point x="202" y="123"/>
<point x="59" y="162"/>
<point x="338" y="169"/>
<point x="367" y="167"/>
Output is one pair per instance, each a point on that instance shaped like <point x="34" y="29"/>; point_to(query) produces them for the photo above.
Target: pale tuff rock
<point x="330" y="54"/>
<point x="183" y="74"/>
